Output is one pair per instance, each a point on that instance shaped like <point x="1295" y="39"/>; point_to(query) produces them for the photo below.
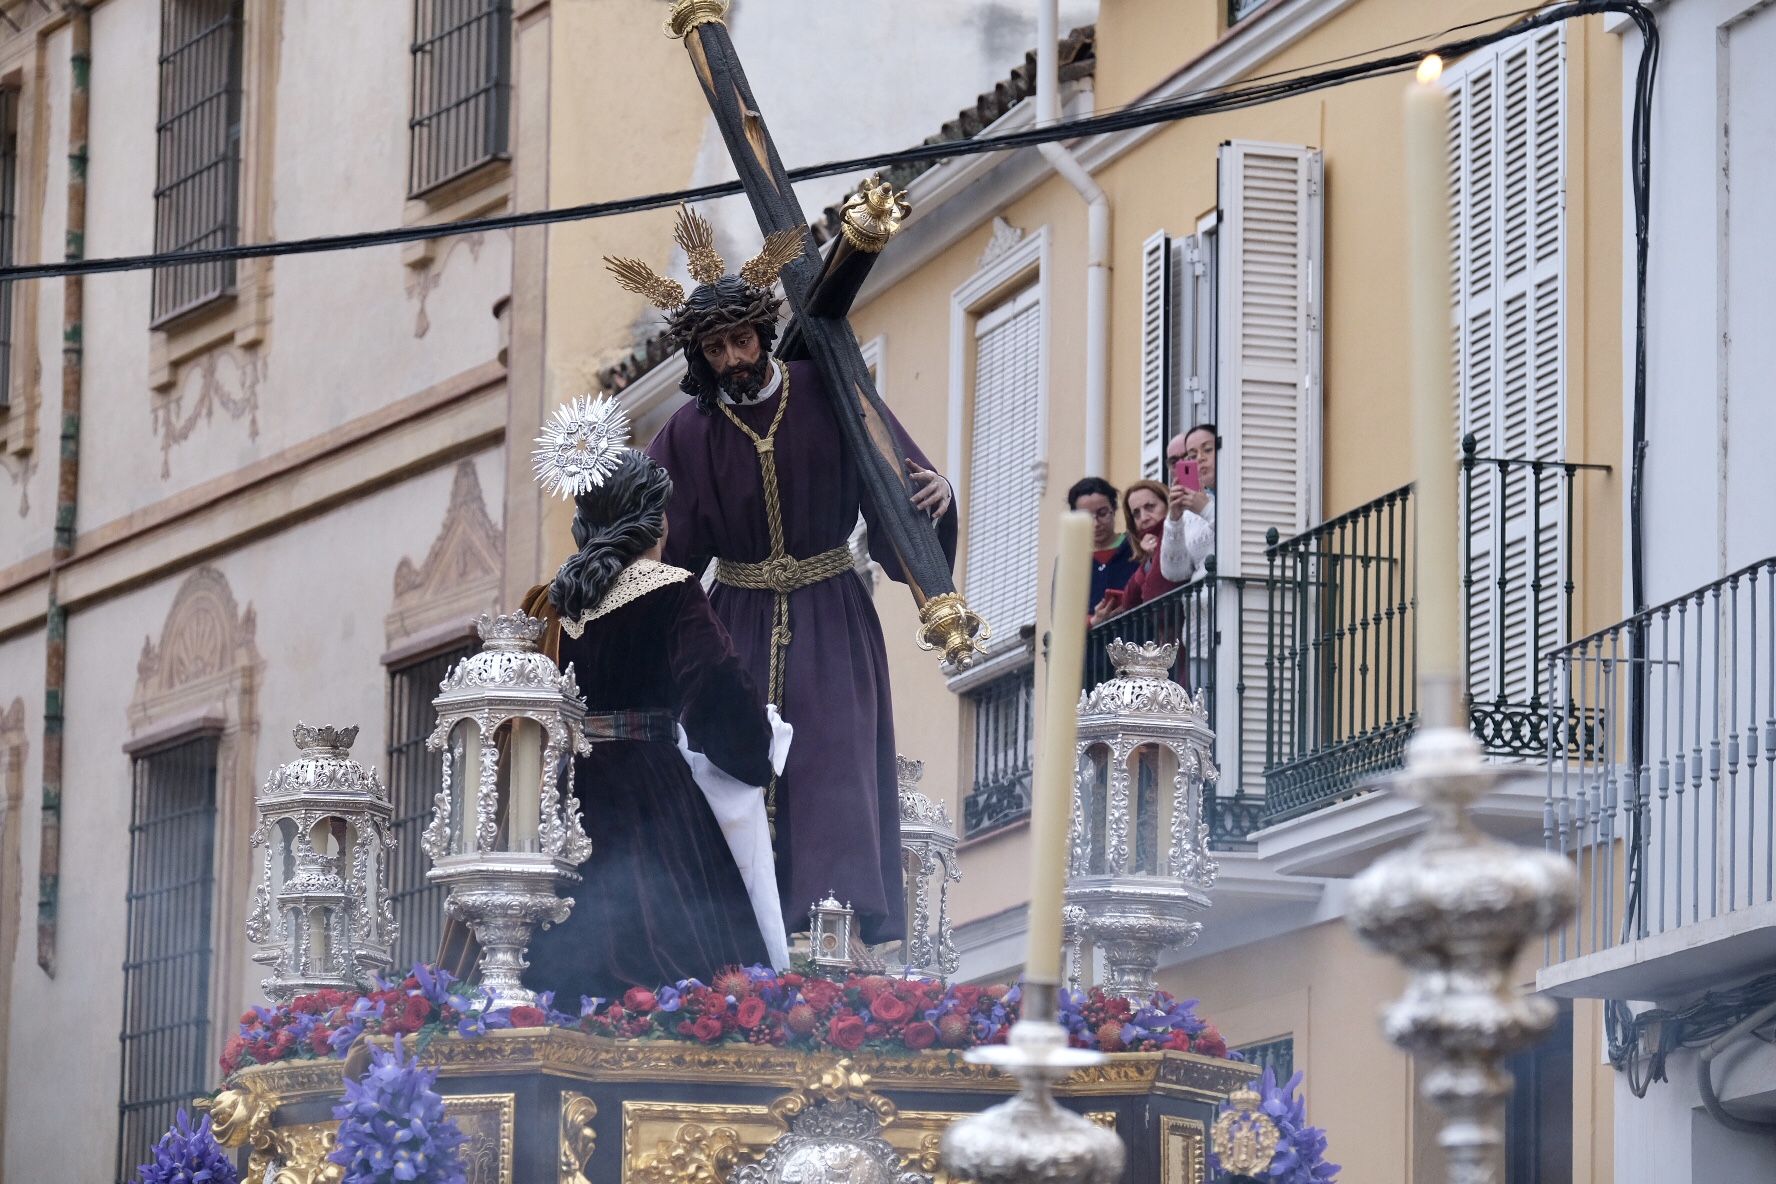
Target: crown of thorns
<point x="753" y="289"/>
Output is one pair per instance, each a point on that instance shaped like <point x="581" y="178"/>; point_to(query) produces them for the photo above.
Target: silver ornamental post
<point x="321" y="906"/>
<point x="1139" y="870"/>
<point x="1456" y="907"/>
<point x="507" y="721"/>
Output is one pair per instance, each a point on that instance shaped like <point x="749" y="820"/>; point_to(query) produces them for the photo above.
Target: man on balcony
<point x="1189" y="533"/>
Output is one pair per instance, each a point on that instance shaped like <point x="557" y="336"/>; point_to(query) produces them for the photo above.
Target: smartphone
<point x="1113" y="597"/>
<point x="1186" y="473"/>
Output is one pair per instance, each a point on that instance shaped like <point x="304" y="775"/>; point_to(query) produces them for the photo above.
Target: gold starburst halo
<point x="780" y="250"/>
<point x="697" y="237"/>
<point x="644" y="281"/>
<point x="580" y="445"/>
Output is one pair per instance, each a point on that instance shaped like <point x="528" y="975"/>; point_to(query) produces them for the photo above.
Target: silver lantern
<point x="1139" y="863"/>
<point x="928" y="855"/>
<point x="829" y="936"/>
<point x="505" y="833"/>
<point x="321" y="910"/>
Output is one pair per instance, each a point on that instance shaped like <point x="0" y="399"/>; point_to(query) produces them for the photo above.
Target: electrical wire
<point x="1251" y="93"/>
<point x="1663" y="1031"/>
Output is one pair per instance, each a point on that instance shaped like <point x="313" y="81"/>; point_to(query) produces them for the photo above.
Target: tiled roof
<point x="1078" y="59"/>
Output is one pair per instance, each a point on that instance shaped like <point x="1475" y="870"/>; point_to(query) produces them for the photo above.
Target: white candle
<point x="525" y="786"/>
<point x="1051" y="810"/>
<point x="1427" y="226"/>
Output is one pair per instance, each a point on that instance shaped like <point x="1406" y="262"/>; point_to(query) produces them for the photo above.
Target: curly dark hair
<point x="613" y="523"/>
<point x="712" y="308"/>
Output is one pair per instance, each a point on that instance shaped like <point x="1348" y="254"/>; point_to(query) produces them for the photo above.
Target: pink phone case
<point x="1185" y="473"/>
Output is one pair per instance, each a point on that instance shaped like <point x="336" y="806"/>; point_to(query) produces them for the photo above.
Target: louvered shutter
<point x="1269" y="349"/>
<point x="1267" y="368"/>
<point x="1157" y="334"/>
<point x="1002" y="499"/>
<point x="1508" y="231"/>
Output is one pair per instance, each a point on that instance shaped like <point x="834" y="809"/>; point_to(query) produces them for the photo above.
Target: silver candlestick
<point x="1456" y="907"/>
<point x="1032" y="1139"/>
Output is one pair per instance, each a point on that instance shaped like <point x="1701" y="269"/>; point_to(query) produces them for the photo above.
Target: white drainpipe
<point x="1097" y="261"/>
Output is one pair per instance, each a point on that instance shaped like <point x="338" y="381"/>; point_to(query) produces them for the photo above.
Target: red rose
<point x="751" y="1012"/>
<point x="847" y="1032"/>
<point x="416" y="1010"/>
<point x="890" y="1008"/>
<point x="707" y="1028"/>
<point x="1210" y="1042"/>
<point x="874" y="985"/>
<point x="1110" y="1037"/>
<point x="638" y="1000"/>
<point x="820" y="994"/>
<point x="791" y="980"/>
<point x="919" y="1035"/>
<point x="801" y="1019"/>
<point x="954" y="1030"/>
<point x="250" y="1018"/>
<point x="529" y="1017"/>
<point x="321" y="1042"/>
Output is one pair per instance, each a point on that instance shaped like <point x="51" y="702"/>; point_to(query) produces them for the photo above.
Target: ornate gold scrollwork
<point x="833" y="1085"/>
<point x="242" y="1118"/>
<point x="578" y="1139"/>
<point x="303" y="1151"/>
<point x="947" y="623"/>
<point x="696" y="1155"/>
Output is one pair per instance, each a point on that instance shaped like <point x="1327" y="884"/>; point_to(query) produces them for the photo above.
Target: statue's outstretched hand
<point x="931" y="492"/>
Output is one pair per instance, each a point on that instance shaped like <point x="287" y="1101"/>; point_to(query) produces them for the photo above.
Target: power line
<point x="1253" y="92"/>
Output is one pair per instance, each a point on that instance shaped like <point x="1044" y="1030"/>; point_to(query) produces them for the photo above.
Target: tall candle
<point x="1051" y="811"/>
<point x="1433" y="435"/>
<point x="525" y="786"/>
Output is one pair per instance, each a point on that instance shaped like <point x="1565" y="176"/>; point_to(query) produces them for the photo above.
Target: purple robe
<point x="838" y="803"/>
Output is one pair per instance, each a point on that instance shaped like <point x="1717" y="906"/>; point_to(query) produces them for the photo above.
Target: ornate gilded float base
<point x="550" y="1105"/>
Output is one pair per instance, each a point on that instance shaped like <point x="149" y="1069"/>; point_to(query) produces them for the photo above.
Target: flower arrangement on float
<point x="755" y="1005"/>
<point x="1300" y="1155"/>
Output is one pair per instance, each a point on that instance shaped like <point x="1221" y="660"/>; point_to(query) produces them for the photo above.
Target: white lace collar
<point x="632" y="583"/>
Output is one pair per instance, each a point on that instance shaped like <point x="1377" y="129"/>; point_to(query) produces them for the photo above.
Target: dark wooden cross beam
<point x="821" y="330"/>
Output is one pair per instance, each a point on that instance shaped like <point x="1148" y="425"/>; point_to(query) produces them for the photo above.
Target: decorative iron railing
<point x="1004" y="723"/>
<point x="1666" y="783"/>
<point x="1339" y="660"/>
<point x="1518" y="590"/>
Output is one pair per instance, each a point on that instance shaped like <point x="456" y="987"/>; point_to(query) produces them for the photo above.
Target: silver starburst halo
<point x="580" y="445"/>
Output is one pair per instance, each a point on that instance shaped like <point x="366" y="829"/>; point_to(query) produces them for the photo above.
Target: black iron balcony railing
<point x="1004" y="721"/>
<point x="1340" y="654"/>
<point x="1666" y="785"/>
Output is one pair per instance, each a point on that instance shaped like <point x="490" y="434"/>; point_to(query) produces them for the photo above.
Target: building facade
<point x="299" y="479"/>
<point x="1664" y="793"/>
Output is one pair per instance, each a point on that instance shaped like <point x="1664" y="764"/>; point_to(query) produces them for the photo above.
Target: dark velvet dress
<point x="838" y="801"/>
<point x="661" y="899"/>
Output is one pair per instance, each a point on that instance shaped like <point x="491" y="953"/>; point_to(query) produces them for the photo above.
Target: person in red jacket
<point x="1143" y="513"/>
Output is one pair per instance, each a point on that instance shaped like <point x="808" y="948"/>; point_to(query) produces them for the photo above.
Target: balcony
<point x="1308" y="672"/>
<point x="1664" y="794"/>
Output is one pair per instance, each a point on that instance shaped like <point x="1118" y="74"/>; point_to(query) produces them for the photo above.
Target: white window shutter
<point x="1269" y="348"/>
<point x="1156" y="349"/>
<point x="1193" y="351"/>
<point x="1002" y="500"/>
<point x="1508" y="232"/>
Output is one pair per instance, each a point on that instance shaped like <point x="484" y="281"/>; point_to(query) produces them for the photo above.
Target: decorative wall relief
<point x="233" y="388"/>
<point x="460" y="575"/>
<point x="425" y="278"/>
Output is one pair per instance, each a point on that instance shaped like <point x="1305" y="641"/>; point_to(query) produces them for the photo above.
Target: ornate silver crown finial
<point x="510" y="631"/>
<point x="311" y="739"/>
<point x="1150" y="659"/>
<point x="580" y="445"/>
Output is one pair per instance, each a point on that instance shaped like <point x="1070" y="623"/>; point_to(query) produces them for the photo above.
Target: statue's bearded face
<point x="739" y="360"/>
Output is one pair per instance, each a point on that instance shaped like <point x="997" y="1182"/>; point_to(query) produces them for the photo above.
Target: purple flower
<point x="392" y="1126"/>
<point x="187" y="1155"/>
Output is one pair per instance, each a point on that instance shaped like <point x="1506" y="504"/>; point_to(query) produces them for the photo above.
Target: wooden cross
<point x="820" y="295"/>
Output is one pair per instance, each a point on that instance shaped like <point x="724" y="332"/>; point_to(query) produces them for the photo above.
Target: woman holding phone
<point x="1144" y="514"/>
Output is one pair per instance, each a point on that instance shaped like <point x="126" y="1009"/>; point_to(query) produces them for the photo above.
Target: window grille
<point x="462" y="65"/>
<point x="1276" y="1055"/>
<point x="415" y="773"/>
<point x="1004" y="715"/>
<point x="9" y="102"/>
<point x="166" y="969"/>
<point x="197" y="184"/>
